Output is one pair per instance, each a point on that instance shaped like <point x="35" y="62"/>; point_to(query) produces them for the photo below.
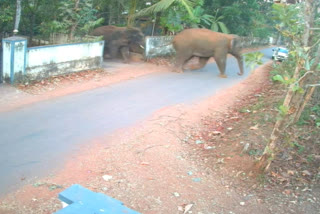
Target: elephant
<point x="120" y="41"/>
<point x="204" y="43"/>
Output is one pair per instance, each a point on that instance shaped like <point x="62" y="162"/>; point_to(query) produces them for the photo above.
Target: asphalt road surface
<point x="38" y="138"/>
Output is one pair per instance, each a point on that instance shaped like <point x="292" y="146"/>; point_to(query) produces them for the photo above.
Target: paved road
<point x="36" y="139"/>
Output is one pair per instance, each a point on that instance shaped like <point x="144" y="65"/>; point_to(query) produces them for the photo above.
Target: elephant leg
<point x="125" y="53"/>
<point x="106" y="53"/>
<point x="221" y="62"/>
<point x="202" y="62"/>
<point x="181" y="59"/>
<point x="114" y="51"/>
<point x="240" y="62"/>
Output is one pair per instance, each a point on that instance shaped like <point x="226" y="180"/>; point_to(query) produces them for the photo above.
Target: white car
<point x="280" y="54"/>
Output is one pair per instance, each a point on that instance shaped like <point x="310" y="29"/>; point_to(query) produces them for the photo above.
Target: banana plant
<point x="163" y="5"/>
<point x="217" y="24"/>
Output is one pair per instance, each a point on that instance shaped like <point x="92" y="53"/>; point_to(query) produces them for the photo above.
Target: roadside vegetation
<point x="41" y="18"/>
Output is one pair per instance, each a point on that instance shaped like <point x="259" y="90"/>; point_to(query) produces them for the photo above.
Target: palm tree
<point x="165" y="4"/>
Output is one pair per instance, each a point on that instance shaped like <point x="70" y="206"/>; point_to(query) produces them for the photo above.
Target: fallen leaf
<point x="290" y="172"/>
<point x="187" y="208"/>
<point x="145" y="163"/>
<point x="287" y="192"/>
<point x="246" y="147"/>
<point x="107" y="177"/>
<point x="254" y="127"/>
<point x="216" y="133"/>
<point x="220" y="160"/>
<point x="54" y="186"/>
<point x="306" y="173"/>
<point x="176" y="194"/>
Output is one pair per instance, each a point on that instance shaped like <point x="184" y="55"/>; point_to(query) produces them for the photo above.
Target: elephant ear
<point x="134" y="34"/>
<point x="235" y="44"/>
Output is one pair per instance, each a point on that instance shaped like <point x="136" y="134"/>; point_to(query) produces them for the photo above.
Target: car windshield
<point x="283" y="50"/>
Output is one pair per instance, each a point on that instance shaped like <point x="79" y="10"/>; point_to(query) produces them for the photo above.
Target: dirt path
<point x="164" y="164"/>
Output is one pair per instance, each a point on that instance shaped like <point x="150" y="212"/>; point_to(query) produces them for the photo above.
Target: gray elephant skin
<point x="204" y="43"/>
<point x="120" y="41"/>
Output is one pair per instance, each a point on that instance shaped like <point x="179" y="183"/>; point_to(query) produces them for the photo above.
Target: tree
<point x="304" y="79"/>
<point x="214" y="22"/>
<point x="244" y="18"/>
<point x="18" y="16"/>
<point x="7" y="15"/>
<point x="163" y="5"/>
<point x="173" y="15"/>
<point x="132" y="11"/>
<point x="74" y="17"/>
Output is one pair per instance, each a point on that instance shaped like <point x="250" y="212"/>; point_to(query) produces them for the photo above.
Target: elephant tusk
<point x="141" y="47"/>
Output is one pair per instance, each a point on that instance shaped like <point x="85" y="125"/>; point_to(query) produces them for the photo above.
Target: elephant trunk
<point x="240" y="63"/>
<point x="235" y="50"/>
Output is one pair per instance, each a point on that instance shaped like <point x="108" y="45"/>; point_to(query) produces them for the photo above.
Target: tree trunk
<point x="75" y="24"/>
<point x="313" y="79"/>
<point x="18" y="15"/>
<point x="132" y="11"/>
<point x="110" y="15"/>
<point x="308" y="14"/>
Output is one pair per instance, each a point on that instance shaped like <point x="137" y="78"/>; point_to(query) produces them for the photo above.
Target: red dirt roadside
<point x="165" y="164"/>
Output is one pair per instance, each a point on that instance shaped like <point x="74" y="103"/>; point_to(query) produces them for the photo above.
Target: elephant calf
<point x="204" y="44"/>
<point x="120" y="40"/>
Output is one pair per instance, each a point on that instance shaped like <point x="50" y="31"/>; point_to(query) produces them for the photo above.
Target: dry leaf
<point x="216" y="133"/>
<point x="254" y="127"/>
<point x="187" y="208"/>
<point x="306" y="173"/>
<point x="290" y="172"/>
<point x="145" y="163"/>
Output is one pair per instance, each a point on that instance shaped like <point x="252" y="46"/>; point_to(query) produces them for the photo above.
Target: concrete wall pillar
<point x="14" y="58"/>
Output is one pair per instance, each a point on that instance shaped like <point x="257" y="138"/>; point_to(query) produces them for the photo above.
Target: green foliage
<point x="6" y="15"/>
<point x="283" y="110"/>
<point x="244" y="18"/>
<point x="289" y="20"/>
<point x="286" y="80"/>
<point x="310" y="158"/>
<point x="176" y="18"/>
<point x="253" y="59"/>
<point x="178" y="14"/>
<point x="45" y="17"/>
<point x="213" y="22"/>
<point x="172" y="21"/>
<point x="46" y="28"/>
<point x="300" y="148"/>
<point x="164" y="5"/>
<point x="83" y="19"/>
<point x="310" y="116"/>
<point x="255" y="152"/>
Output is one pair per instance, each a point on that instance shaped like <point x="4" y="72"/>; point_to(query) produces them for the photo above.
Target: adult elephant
<point x="120" y="41"/>
<point x="204" y="43"/>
